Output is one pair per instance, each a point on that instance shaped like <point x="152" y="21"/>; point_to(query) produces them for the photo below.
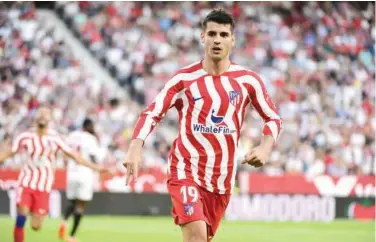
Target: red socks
<point x="18" y="232"/>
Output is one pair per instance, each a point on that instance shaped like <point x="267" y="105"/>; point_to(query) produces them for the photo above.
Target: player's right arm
<point x="133" y="159"/>
<point x="148" y="119"/>
<point x="6" y="154"/>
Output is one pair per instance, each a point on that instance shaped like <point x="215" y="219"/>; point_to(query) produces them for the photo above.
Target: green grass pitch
<point x="162" y="229"/>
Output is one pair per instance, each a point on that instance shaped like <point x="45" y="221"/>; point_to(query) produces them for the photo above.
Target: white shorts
<point x="79" y="190"/>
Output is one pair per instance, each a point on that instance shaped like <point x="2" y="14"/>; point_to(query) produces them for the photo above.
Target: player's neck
<point x="42" y="131"/>
<point x="216" y="68"/>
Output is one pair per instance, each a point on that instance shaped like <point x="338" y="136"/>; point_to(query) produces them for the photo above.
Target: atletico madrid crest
<point x="234" y="97"/>
<point x="188" y="208"/>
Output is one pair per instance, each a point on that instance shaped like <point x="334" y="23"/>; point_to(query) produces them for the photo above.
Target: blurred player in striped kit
<point x="41" y="145"/>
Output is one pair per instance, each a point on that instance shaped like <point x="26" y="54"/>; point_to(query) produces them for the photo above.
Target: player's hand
<point x="133" y="160"/>
<point x="257" y="156"/>
<point x="104" y="170"/>
<point x="132" y="164"/>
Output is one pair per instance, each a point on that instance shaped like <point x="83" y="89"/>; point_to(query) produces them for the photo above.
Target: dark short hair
<point x="87" y="123"/>
<point x="219" y="16"/>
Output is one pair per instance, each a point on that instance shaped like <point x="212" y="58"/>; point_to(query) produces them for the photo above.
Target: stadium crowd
<point x="38" y="67"/>
<point x="316" y="59"/>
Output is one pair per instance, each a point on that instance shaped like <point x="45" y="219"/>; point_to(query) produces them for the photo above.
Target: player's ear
<point x="202" y="37"/>
<point x="233" y="39"/>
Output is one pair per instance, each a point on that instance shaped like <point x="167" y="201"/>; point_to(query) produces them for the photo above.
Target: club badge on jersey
<point x="234" y="97"/>
<point x="188" y="208"/>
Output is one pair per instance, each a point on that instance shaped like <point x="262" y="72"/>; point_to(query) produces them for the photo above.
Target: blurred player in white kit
<point x="80" y="180"/>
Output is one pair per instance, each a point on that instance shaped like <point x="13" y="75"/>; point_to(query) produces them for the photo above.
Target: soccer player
<point x="80" y="179"/>
<point x="211" y="97"/>
<point x="41" y="146"/>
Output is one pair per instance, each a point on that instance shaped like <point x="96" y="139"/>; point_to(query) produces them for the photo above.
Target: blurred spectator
<point x="38" y="67"/>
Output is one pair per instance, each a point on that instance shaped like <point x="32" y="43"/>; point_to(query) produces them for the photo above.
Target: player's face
<point x="91" y="129"/>
<point x="218" y="40"/>
<point x="43" y="117"/>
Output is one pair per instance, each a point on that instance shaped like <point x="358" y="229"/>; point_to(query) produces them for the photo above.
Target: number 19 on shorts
<point x="189" y="194"/>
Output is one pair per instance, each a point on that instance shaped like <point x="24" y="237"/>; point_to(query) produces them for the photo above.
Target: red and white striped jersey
<point x="211" y="113"/>
<point x="41" y="151"/>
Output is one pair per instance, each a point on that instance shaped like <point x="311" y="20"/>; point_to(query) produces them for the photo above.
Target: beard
<point x="42" y="125"/>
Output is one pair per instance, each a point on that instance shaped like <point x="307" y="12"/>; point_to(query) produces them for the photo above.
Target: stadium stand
<point x="319" y="72"/>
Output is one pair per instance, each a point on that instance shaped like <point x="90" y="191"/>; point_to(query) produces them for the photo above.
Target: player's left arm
<point x="80" y="160"/>
<point x="263" y="104"/>
<point x="68" y="151"/>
